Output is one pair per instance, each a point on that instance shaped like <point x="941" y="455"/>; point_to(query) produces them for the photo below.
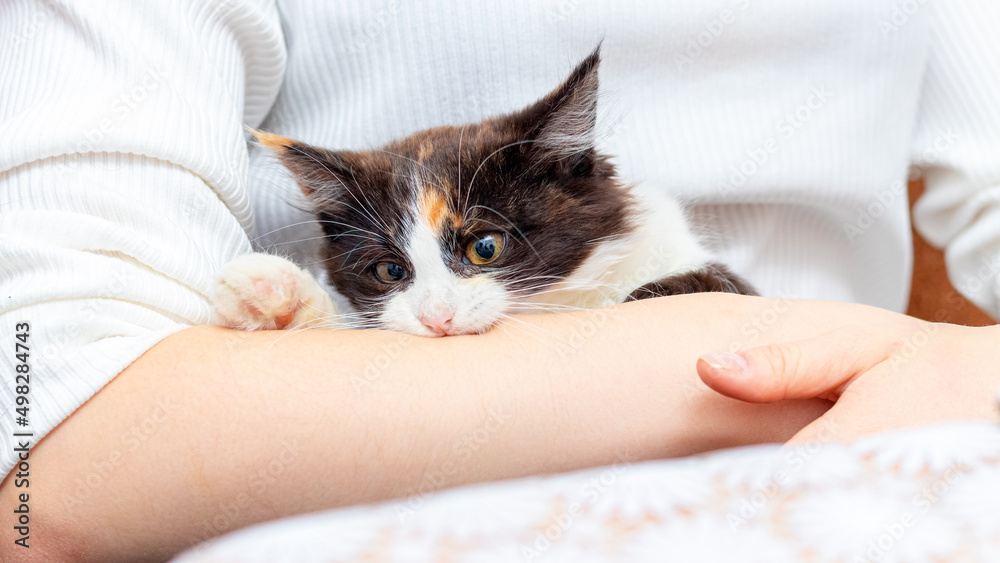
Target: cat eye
<point x="485" y="249"/>
<point x="387" y="272"/>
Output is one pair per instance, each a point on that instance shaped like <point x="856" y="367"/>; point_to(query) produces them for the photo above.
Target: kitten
<point x="451" y="229"/>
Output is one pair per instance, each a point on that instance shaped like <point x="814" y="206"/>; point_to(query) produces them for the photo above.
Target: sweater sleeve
<point x="957" y="145"/>
<point x="122" y="184"/>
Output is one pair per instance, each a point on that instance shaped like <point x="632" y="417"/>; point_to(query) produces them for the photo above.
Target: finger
<point x="819" y="367"/>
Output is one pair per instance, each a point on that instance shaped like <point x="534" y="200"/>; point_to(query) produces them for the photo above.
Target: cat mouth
<point x="453" y="331"/>
<point x="443" y="329"/>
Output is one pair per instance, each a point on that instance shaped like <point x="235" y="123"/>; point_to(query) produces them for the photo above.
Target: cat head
<point x="448" y="230"/>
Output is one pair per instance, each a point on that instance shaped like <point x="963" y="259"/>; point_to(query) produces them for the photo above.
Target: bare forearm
<point x="214" y="429"/>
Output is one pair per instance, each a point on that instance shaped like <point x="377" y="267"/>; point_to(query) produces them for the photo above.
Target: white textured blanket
<point x="927" y="494"/>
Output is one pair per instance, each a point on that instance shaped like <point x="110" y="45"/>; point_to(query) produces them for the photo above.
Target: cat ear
<point x="322" y="174"/>
<point x="562" y="125"/>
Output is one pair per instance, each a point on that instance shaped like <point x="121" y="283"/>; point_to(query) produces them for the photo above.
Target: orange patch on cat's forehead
<point x="435" y="211"/>
<point x="433" y="208"/>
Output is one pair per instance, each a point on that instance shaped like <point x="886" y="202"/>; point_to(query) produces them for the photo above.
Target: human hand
<point x="881" y="377"/>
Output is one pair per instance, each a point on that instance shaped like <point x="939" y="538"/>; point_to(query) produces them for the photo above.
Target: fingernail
<point x="726" y="361"/>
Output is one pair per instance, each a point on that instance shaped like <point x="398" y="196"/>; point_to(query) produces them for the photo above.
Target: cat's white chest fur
<point x="661" y="244"/>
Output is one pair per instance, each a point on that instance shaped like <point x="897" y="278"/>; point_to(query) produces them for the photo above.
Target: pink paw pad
<point x="263" y="287"/>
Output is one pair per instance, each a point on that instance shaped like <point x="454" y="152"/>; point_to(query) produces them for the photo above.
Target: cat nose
<point x="439" y="321"/>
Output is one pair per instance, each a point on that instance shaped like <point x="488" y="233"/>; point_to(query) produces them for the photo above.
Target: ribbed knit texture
<point x="707" y="100"/>
<point x="124" y="180"/>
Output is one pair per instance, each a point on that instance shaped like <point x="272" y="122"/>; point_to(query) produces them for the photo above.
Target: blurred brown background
<point x="933" y="298"/>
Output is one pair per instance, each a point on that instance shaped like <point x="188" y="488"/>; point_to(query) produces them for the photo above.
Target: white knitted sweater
<point x="788" y="127"/>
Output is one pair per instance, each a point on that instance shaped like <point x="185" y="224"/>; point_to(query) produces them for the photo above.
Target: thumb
<point x="818" y="367"/>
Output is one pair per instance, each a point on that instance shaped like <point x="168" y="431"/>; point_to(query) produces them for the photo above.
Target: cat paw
<point x="265" y="292"/>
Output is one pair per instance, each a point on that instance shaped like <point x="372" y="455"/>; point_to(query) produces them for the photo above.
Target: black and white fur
<point x="532" y="182"/>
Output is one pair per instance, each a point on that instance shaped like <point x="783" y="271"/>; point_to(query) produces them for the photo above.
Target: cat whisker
<point x="516" y="228"/>
<point x="353" y="228"/>
<point x="307" y="239"/>
<point x="525" y="297"/>
<point x="377" y="220"/>
<point x="369" y="213"/>
<point x="480" y="167"/>
<point x="368" y="247"/>
<point x="272" y="231"/>
<point x="346" y="187"/>
<point x="315" y="262"/>
<point x="535" y="331"/>
<point x="581" y="284"/>
<point x="440" y="183"/>
<point x="556" y="307"/>
<point x="460" y="135"/>
<point x="554" y="278"/>
<point x="612" y="237"/>
<point x="365" y="256"/>
<point x="549" y="286"/>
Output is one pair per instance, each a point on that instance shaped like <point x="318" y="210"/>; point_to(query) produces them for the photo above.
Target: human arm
<point x="214" y="429"/>
<point x="122" y="180"/>
<point x="122" y="188"/>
